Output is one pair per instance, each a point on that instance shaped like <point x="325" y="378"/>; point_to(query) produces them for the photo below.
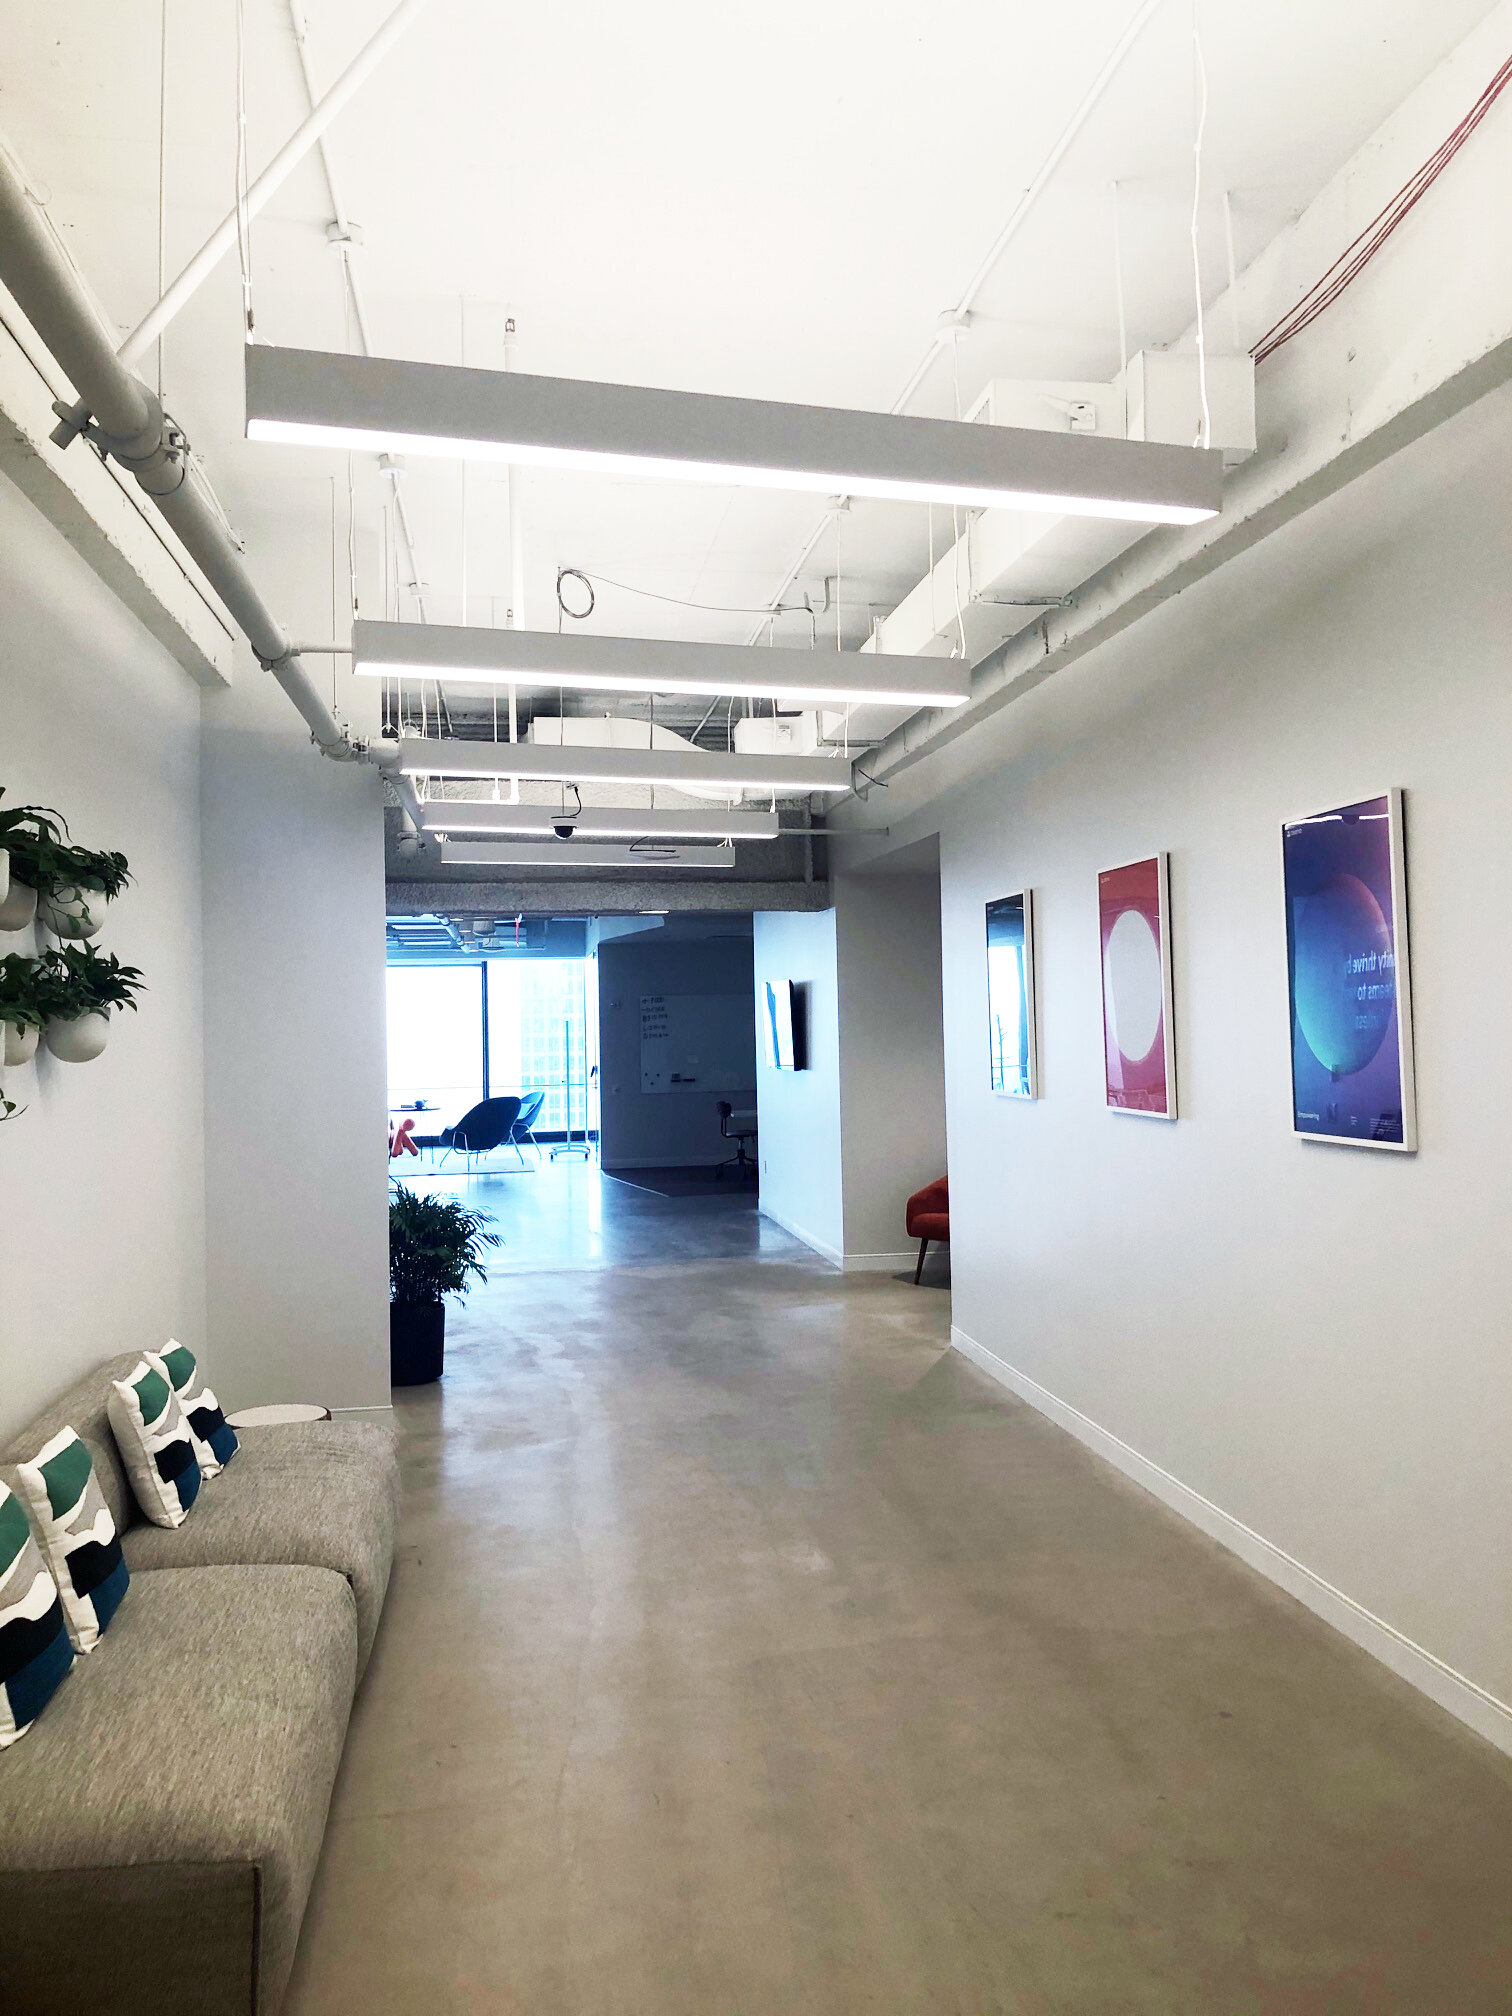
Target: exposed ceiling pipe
<point x="952" y="324"/>
<point x="130" y="424"/>
<point x="345" y="240"/>
<point x="272" y="178"/>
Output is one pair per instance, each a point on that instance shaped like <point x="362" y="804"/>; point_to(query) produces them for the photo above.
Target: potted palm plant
<point x="77" y="990"/>
<point x="435" y="1249"/>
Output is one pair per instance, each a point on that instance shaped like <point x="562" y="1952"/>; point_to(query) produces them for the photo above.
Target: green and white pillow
<point x="214" y="1438"/>
<point x="35" y="1654"/>
<point x="155" y="1444"/>
<point x="76" y="1533"/>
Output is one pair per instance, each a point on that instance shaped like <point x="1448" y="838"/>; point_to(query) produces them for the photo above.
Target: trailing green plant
<point x="77" y="980"/>
<point x="20" y="1007"/>
<point x="19" y="992"/>
<point x="46" y="859"/>
<point x="435" y="1246"/>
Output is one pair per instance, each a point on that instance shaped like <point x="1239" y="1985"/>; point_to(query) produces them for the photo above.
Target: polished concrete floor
<point x="571" y="1214"/>
<point x="749" y="1651"/>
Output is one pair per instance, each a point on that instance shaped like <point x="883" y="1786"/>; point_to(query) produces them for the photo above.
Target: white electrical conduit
<point x="277" y="172"/>
<point x="951" y="324"/>
<point x="131" y="425"/>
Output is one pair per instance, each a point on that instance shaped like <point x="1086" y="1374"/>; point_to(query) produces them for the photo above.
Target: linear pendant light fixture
<point x="459" y="817"/>
<point x="572" y="854"/>
<point x="334" y="401"/>
<point x="680" y="769"/>
<point x="473" y="655"/>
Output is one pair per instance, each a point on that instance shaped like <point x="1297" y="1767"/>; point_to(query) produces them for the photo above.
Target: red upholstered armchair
<point x="929" y="1218"/>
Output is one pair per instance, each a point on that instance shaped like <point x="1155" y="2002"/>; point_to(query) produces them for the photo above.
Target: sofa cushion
<point x="82" y="1408"/>
<point x="320" y="1493"/>
<point x="155" y="1444"/>
<point x="76" y="1533"/>
<point x="214" y="1437"/>
<point x="160" y="1826"/>
<point x="35" y="1655"/>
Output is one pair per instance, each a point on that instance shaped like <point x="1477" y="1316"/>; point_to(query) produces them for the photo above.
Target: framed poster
<point x="1347" y="971"/>
<point x="1139" y="1052"/>
<point x="1011" y="1033"/>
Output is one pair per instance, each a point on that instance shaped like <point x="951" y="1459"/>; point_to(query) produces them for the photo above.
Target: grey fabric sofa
<point x="160" y="1826"/>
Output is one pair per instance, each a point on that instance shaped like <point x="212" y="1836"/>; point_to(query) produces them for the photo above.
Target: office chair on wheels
<point x="729" y="1130"/>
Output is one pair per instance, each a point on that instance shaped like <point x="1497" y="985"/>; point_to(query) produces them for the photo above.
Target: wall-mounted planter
<point x="72" y="913"/>
<point x="20" y="1044"/>
<point x="78" y="1040"/>
<point x="18" y="903"/>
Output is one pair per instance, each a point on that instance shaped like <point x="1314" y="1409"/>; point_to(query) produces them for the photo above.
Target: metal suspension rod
<point x="343" y="221"/>
<point x="277" y="172"/>
<point x="1089" y="101"/>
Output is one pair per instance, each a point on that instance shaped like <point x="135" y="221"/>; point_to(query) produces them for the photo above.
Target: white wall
<point x="678" y="1128"/>
<point x="892" y="1057"/>
<point x="295" y="1101"/>
<point x="845" y="1143"/>
<point x="799" y="1111"/>
<point x="1315" y="1339"/>
<point x="101" y="1179"/>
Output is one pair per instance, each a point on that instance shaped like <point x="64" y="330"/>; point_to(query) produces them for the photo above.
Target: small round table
<point x="278" y="1417"/>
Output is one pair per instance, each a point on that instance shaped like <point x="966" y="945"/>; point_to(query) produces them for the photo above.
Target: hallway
<point x="748" y="1650"/>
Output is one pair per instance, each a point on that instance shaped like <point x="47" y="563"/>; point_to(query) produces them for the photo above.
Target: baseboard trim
<point x="848" y="1263"/>
<point x="820" y="1246"/>
<point x="362" y="1413"/>
<point x="879" y="1263"/>
<point x="1468" y="1703"/>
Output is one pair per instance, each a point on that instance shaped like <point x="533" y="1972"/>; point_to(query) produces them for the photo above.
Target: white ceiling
<point x="776" y="203"/>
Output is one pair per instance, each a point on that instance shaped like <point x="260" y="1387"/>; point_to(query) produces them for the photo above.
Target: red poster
<point x="1138" y="1054"/>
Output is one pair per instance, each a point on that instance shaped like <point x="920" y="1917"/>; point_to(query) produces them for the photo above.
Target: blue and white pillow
<point x="35" y="1654"/>
<point x="76" y="1533"/>
<point x="214" y="1438"/>
<point x="155" y="1444"/>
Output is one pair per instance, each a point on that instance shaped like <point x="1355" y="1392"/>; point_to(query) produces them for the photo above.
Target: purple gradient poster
<point x="1347" y="967"/>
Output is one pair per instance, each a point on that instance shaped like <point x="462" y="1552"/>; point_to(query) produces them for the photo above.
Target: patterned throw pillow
<point x="214" y="1438"/>
<point x="76" y="1533"/>
<point x="155" y="1444"/>
<point x="35" y="1654"/>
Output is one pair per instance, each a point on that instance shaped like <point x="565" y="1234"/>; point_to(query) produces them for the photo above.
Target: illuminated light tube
<point x="680" y="769"/>
<point x="473" y="655"/>
<point x="460" y="816"/>
<point x="574" y="854"/>
<point x="327" y="400"/>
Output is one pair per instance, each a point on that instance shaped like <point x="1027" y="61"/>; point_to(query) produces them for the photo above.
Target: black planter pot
<point x="417" y="1342"/>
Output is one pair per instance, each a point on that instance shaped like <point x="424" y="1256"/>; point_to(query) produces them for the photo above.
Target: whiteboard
<point x="697" y="1043"/>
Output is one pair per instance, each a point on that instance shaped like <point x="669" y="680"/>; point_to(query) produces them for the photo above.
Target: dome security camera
<point x="564" y="831"/>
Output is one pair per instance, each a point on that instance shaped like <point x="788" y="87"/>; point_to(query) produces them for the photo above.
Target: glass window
<point x="538" y="1037"/>
<point x="435" y="1039"/>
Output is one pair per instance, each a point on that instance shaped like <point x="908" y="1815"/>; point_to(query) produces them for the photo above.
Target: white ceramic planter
<point x="72" y="913"/>
<point x="78" y="1040"/>
<point x="18" y="905"/>
<point x="20" y="1044"/>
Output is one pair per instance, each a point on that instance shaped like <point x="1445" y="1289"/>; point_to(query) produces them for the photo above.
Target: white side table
<point x="278" y="1417"/>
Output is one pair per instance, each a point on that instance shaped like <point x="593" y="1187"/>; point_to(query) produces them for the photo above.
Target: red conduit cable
<point x="1357" y="256"/>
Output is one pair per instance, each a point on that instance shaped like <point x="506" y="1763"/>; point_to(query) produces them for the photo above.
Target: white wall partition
<point x="801" y="1182"/>
<point x="1303" y="1346"/>
<point x="845" y="1143"/>
<point x="102" y="1177"/>
<point x="296" y="1173"/>
<point x="892" y="1061"/>
<point x="679" y="1126"/>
